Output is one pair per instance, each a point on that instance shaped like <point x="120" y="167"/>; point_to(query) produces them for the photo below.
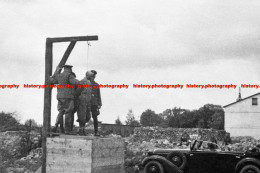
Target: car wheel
<point x="153" y="167"/>
<point x="178" y="159"/>
<point x="250" y="169"/>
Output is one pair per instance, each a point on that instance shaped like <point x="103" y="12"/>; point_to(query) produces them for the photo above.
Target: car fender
<point x="167" y="165"/>
<point x="246" y="160"/>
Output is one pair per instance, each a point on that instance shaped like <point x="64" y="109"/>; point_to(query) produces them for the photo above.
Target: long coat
<point x="63" y="79"/>
<point x="96" y="96"/>
<point x="83" y="101"/>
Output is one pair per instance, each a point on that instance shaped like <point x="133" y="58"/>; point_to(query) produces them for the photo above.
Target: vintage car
<point x="201" y="157"/>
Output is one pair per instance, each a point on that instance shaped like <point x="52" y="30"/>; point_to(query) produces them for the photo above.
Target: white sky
<point x="140" y="42"/>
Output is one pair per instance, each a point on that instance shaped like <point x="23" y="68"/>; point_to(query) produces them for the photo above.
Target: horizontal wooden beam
<point x="70" y="39"/>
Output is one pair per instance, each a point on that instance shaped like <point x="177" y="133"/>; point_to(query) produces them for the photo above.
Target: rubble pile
<point x="174" y="134"/>
<point x="13" y="144"/>
<point x="28" y="164"/>
<point x="20" y="152"/>
<point x="14" y="149"/>
<point x="145" y="139"/>
<point x="137" y="150"/>
<point x="243" y="143"/>
<point x="238" y="139"/>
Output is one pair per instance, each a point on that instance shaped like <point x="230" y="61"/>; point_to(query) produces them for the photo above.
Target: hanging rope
<point x="88" y="54"/>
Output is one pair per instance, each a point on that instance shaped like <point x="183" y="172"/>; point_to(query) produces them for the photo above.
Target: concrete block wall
<point x="85" y="154"/>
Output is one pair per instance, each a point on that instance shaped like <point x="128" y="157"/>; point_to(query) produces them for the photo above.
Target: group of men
<point x="84" y="101"/>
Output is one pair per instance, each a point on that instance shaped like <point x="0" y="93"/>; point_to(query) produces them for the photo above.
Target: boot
<point x="96" y="130"/>
<point x="95" y="125"/>
<point x="62" y="130"/>
<point x="67" y="131"/>
<point x="68" y="124"/>
<point x="81" y="131"/>
<point x="54" y="130"/>
<point x="96" y="133"/>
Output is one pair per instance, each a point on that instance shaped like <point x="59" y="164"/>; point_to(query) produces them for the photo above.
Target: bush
<point x="9" y="122"/>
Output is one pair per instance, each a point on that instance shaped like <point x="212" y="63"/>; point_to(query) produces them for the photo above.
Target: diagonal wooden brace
<point x="67" y="54"/>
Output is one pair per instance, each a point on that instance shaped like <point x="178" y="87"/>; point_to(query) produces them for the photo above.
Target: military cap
<point x="94" y="72"/>
<point x="67" y="66"/>
<point x="89" y="73"/>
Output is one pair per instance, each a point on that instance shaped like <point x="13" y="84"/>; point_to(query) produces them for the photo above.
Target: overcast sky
<point x="140" y="42"/>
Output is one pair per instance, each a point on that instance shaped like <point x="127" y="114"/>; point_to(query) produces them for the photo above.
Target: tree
<point x="187" y="119"/>
<point x="174" y="117"/>
<point x="9" y="121"/>
<point x="130" y="119"/>
<point x="150" y="118"/>
<point x="166" y="116"/>
<point x="217" y="121"/>
<point x="211" y="116"/>
<point x="118" y="121"/>
<point x="30" y="124"/>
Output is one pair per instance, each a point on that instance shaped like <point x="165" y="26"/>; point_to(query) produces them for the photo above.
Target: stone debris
<point x="174" y="134"/>
<point x="28" y="164"/>
<point x="19" y="152"/>
<point x="242" y="143"/>
<point x="14" y="157"/>
<point x="146" y="139"/>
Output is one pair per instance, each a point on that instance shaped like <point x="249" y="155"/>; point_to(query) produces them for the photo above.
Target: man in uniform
<point x="65" y="97"/>
<point x="96" y="102"/>
<point x="185" y="138"/>
<point x="227" y="139"/>
<point x="213" y="138"/>
<point x="83" y="102"/>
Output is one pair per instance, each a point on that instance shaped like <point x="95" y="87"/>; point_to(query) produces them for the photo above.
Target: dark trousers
<point x="65" y="106"/>
<point x="95" y="112"/>
<point x="83" y="111"/>
<point x="59" y="122"/>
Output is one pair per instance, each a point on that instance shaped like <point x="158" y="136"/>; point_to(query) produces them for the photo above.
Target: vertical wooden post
<point x="47" y="101"/>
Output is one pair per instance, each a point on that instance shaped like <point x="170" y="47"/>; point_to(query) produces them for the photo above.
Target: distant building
<point x="242" y="118"/>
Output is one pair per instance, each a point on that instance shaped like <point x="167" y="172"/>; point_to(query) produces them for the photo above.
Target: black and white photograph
<point x="130" y="86"/>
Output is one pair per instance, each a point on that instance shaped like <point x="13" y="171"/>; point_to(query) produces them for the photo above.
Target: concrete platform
<point x="85" y="154"/>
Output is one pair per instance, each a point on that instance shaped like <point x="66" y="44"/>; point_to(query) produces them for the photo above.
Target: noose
<point x="88" y="54"/>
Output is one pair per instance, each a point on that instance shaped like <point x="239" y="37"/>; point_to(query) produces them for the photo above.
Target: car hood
<point x="187" y="150"/>
<point x="232" y="152"/>
<point x="161" y="151"/>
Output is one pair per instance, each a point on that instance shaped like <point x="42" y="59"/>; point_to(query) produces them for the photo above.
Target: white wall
<point x="243" y="118"/>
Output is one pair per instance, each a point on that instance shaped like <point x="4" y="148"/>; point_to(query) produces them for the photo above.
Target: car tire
<point x="153" y="167"/>
<point x="250" y="169"/>
<point x="178" y="155"/>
